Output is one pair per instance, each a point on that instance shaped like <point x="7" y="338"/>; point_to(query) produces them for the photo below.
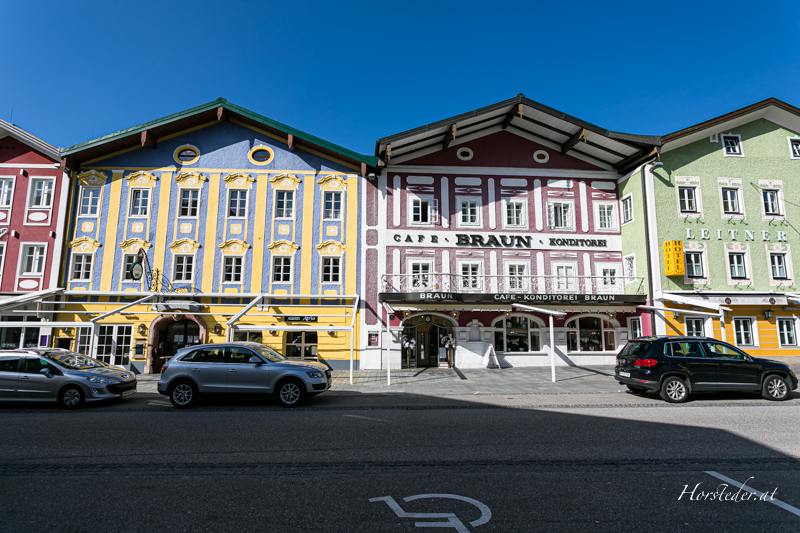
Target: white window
<point x="694" y="264"/>
<point x="190" y="203"/>
<point x="232" y="269"/>
<point x="687" y="199"/>
<point x="470" y="276"/>
<point x="41" y="194"/>
<point x="421" y="210"/>
<point x="32" y="260"/>
<point x="560" y="215"/>
<point x="6" y="192"/>
<point x="565" y="277"/>
<point x="140" y="202"/>
<point x="736" y="265"/>
<point x="794" y="147"/>
<point x="469" y="213"/>
<point x="420" y="275"/>
<point x="771" y="202"/>
<point x="282" y="269"/>
<point x="90" y="202"/>
<point x="84" y="337"/>
<point x="609" y="277"/>
<point x="627" y="209"/>
<point x="606" y="216"/>
<point x="732" y="145"/>
<point x="81" y="267"/>
<point x="730" y="201"/>
<point x="127" y="261"/>
<point x="786" y="332"/>
<point x="237" y="203"/>
<point x="517" y="276"/>
<point x="695" y="327"/>
<point x="331" y="269"/>
<point x="333" y="206"/>
<point x="516" y="216"/>
<point x="743" y="328"/>
<point x="114" y="344"/>
<point x="184" y="269"/>
<point x="517" y="333"/>
<point x="635" y="327"/>
<point x="777" y="263"/>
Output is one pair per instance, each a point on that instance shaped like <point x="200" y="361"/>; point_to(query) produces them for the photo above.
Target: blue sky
<point x="352" y="72"/>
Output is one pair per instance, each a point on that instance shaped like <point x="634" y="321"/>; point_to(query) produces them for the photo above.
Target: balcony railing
<point x="455" y="283"/>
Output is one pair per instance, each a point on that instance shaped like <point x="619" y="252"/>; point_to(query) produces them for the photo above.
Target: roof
<point x="727" y="117"/>
<point x="573" y="136"/>
<point x="220" y="109"/>
<point x="31" y="140"/>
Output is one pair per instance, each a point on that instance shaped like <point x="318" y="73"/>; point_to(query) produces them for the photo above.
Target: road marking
<point x="452" y="519"/>
<point x="761" y="495"/>
<point x="365" y="418"/>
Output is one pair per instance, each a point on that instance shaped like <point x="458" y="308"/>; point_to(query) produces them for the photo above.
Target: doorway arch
<point x="160" y="324"/>
<point x="421" y="339"/>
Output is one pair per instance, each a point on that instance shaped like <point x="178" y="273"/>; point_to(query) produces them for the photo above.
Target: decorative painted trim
<point x="190" y="179"/>
<point x="84" y="245"/>
<point x="234" y="246"/>
<point x="283" y="248"/>
<point x="142" y="178"/>
<point x="179" y="149"/>
<point x="285" y="181"/>
<point x="91" y="178"/>
<point x="332" y="182"/>
<point x="184" y="246"/>
<point x="239" y="180"/>
<point x="131" y="246"/>
<point x="331" y="248"/>
<point x="254" y="149"/>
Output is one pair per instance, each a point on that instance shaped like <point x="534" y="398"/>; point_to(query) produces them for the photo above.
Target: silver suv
<point x="239" y="368"/>
<point x="69" y="378"/>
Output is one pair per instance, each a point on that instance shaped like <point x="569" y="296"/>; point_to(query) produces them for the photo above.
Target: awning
<point x="23" y="299"/>
<point x="685" y="300"/>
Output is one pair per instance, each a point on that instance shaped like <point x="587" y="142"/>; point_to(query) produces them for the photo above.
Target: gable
<point x="501" y="149"/>
<point x="17" y="152"/>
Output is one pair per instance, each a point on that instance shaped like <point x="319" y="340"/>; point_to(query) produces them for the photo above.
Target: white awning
<point x="27" y="298"/>
<point x="685" y="300"/>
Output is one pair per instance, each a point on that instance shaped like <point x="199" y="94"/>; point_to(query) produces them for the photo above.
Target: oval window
<point x="187" y="154"/>
<point x="261" y="155"/>
<point x="464" y="154"/>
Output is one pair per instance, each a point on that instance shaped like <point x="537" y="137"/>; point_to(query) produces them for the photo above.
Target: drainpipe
<point x="647" y="246"/>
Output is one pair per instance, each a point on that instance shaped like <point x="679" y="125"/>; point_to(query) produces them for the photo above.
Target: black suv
<point x="678" y="366"/>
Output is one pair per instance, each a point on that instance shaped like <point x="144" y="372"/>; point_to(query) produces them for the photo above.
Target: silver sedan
<point x="62" y="376"/>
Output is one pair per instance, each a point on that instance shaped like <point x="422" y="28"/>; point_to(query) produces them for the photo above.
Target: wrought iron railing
<point x="481" y="284"/>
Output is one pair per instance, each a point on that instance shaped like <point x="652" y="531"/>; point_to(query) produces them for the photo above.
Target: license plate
<point x="625" y="374"/>
<point x="129" y="392"/>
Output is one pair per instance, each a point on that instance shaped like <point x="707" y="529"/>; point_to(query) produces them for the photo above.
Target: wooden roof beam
<point x="629" y="163"/>
<point x="579" y="135"/>
<point x="148" y="139"/>
<point x="449" y="136"/>
<point x="290" y="142"/>
<point x="515" y="110"/>
<point x="222" y="116"/>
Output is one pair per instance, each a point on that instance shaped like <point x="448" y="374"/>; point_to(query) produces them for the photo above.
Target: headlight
<point x="95" y="379"/>
<point x="315" y="374"/>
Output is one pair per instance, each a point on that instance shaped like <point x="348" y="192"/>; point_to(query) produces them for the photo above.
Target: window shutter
<point x="433" y="215"/>
<point x="551" y="216"/>
<point x="567" y="215"/>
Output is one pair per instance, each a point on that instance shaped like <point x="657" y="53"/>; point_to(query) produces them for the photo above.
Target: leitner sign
<point x="505" y="298"/>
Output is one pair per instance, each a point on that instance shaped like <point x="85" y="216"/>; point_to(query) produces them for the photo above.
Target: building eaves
<point x="31" y="140"/>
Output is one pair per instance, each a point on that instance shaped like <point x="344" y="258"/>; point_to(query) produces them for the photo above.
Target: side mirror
<point x="255" y="361"/>
<point x="46" y="372"/>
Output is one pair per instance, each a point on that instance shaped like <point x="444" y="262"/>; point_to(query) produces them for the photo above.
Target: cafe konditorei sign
<point x="506" y="298"/>
<point x="501" y="241"/>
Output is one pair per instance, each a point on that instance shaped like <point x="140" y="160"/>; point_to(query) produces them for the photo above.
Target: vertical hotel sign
<point x="673" y="258"/>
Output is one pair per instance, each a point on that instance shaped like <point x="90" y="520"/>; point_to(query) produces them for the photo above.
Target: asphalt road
<point x="568" y="462"/>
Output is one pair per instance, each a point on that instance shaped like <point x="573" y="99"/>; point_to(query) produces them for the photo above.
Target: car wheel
<point x="70" y="397"/>
<point x="290" y="393"/>
<point x="637" y="390"/>
<point x="183" y="394"/>
<point x="775" y="388"/>
<point x="674" y="390"/>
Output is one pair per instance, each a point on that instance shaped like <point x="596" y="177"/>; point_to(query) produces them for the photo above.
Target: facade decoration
<point x="331" y="248"/>
<point x="184" y="246"/>
<point x="239" y="180"/>
<point x="190" y="179"/>
<point x="332" y="182"/>
<point x="132" y="246"/>
<point x="283" y="248"/>
<point x="141" y="178"/>
<point x="285" y="181"/>
<point x="234" y="246"/>
<point x="92" y="178"/>
<point x="84" y="245"/>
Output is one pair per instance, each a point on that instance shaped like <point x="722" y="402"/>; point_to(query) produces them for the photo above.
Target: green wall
<point x="633" y="233"/>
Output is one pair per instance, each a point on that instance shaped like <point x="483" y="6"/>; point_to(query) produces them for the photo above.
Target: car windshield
<point x="268" y="353"/>
<point x="74" y="361"/>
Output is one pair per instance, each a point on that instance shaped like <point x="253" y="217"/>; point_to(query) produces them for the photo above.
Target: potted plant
<point x="409" y="344"/>
<point x="449" y="343"/>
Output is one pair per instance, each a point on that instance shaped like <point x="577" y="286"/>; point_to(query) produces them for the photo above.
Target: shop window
<point x="590" y="334"/>
<point x="248" y="336"/>
<point x="517" y="333"/>
<point x="786" y="332"/>
<point x="301" y="344"/>
<point x="19" y="337"/>
<point x="695" y="327"/>
<point x="114" y="344"/>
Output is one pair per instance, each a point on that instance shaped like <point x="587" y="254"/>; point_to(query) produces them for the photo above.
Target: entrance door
<point x="428" y="345"/>
<point x="178" y="335"/>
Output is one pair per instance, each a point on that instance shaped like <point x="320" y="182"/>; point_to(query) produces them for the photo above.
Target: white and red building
<point x="484" y="226"/>
<point x="33" y="198"/>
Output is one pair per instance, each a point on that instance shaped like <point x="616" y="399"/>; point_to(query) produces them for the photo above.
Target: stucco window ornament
<point x="137" y="227"/>
<point x="186" y="227"/>
<point x="184" y="246"/>
<point x="332" y="182"/>
<point x="84" y="245"/>
<point x="132" y="246"/>
<point x="234" y="246"/>
<point x="141" y="178"/>
<point x="87" y="227"/>
<point x="331" y="248"/>
<point x="285" y="181"/>
<point x="284" y="229"/>
<point x="239" y="180"/>
<point x="92" y="178"/>
<point x="331" y="231"/>
<point x="236" y="229"/>
<point x="190" y="179"/>
<point x="283" y="248"/>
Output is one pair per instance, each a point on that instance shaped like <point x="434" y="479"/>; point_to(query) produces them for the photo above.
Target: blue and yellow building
<point x="250" y="230"/>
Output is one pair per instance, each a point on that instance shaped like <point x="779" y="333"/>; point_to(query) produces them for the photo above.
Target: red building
<point x="33" y="199"/>
<point x="485" y="226"/>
